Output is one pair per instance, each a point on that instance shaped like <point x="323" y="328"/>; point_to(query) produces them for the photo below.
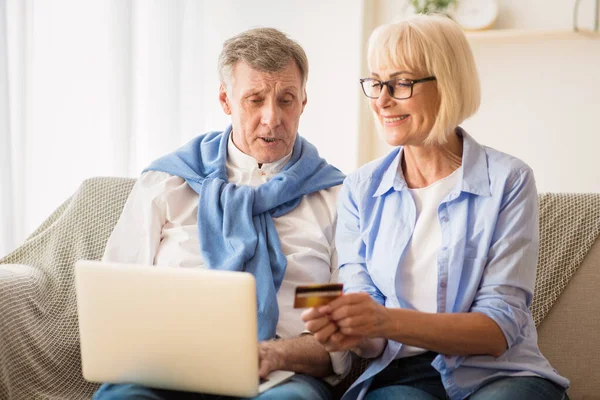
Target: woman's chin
<point x="394" y="138"/>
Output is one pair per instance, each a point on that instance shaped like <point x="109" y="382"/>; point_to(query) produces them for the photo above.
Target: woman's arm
<point x="353" y="273"/>
<point x="358" y="316"/>
<point x="500" y="308"/>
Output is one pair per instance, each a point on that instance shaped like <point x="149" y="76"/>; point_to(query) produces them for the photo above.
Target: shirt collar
<point x="238" y="159"/>
<point x="475" y="173"/>
<point x="474" y="176"/>
<point x="392" y="175"/>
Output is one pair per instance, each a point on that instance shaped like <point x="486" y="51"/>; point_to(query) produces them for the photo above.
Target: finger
<point x="317" y="324"/>
<point x="333" y="344"/>
<point x="323" y="335"/>
<point x="365" y="307"/>
<point x="311" y="313"/>
<point x="354" y="320"/>
<point x="262" y="362"/>
<point x="339" y="341"/>
<point x="336" y="338"/>
<point x="355" y="326"/>
<point x="345" y="311"/>
<point x="348" y="299"/>
<point x="326" y="309"/>
<point x="263" y="369"/>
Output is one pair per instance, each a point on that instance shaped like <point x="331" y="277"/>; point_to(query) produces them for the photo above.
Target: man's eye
<point x="375" y="84"/>
<point x="255" y="101"/>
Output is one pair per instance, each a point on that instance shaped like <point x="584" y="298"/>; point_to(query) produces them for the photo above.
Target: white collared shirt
<point x="159" y="226"/>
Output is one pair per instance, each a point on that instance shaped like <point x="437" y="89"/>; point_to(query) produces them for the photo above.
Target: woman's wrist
<point x="387" y="326"/>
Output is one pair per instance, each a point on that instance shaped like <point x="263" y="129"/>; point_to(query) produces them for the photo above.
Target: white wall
<point x="543" y="14"/>
<point x="541" y="103"/>
<point x="540" y="93"/>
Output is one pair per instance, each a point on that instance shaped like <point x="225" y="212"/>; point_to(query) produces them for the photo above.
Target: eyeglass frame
<point x="391" y="88"/>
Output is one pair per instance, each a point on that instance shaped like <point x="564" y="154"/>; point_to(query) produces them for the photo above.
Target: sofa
<point x="39" y="346"/>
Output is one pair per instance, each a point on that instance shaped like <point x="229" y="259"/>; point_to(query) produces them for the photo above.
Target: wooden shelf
<point x="531" y="34"/>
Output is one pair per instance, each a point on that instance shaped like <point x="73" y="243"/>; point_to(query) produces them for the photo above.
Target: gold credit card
<point x="316" y="295"/>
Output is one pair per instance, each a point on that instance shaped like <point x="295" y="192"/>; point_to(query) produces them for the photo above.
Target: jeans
<point x="299" y="387"/>
<point x="414" y="378"/>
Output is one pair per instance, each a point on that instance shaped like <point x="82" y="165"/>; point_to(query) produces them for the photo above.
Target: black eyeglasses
<point x="397" y="88"/>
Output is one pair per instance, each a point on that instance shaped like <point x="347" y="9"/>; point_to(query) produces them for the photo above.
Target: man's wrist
<point x="276" y="348"/>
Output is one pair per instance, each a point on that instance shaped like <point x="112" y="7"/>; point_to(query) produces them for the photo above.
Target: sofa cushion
<point x="568" y="335"/>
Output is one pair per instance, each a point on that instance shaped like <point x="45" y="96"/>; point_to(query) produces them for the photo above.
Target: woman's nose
<point x="384" y="96"/>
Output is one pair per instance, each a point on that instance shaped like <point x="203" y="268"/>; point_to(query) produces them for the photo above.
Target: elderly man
<point x="258" y="186"/>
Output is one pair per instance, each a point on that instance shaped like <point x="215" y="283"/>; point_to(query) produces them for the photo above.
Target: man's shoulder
<point x="328" y="195"/>
<point x="153" y="179"/>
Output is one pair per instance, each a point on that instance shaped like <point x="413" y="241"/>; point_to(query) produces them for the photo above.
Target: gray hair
<point x="263" y="49"/>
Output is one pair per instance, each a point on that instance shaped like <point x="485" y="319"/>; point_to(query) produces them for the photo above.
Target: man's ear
<point x="304" y="102"/>
<point x="224" y="100"/>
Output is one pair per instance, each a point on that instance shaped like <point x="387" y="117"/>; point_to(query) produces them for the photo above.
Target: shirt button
<point x="448" y="382"/>
<point x="444" y="248"/>
<point x="443" y="284"/>
<point x="445" y="219"/>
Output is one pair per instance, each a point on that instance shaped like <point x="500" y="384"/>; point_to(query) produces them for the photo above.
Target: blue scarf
<point x="235" y="224"/>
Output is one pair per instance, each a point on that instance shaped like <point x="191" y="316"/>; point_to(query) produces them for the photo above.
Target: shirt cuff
<point x="341" y="361"/>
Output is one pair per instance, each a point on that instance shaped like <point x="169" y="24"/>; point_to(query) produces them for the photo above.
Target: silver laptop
<point x="171" y="328"/>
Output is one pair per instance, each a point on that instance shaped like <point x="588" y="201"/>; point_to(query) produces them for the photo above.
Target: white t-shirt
<point x="417" y="273"/>
<point x="159" y="226"/>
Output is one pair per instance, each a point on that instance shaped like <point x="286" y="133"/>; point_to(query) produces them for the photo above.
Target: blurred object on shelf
<point x="431" y="6"/>
<point x="475" y="15"/>
<point x="576" y="28"/>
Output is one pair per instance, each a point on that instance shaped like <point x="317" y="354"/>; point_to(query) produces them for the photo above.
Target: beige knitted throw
<point x="39" y="346"/>
<point x="39" y="336"/>
<point x="569" y="225"/>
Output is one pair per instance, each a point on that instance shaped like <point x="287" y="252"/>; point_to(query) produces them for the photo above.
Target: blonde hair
<point x="263" y="49"/>
<point x="432" y="45"/>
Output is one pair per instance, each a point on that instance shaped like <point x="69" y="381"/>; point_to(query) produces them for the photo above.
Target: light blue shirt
<point x="486" y="262"/>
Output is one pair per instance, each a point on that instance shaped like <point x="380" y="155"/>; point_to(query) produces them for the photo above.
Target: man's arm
<point x="136" y="236"/>
<point x="303" y="355"/>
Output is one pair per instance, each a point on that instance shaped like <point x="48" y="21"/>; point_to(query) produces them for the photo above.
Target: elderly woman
<point x="438" y="240"/>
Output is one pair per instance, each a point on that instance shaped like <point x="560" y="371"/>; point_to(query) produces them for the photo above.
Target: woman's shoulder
<point x="498" y="162"/>
<point x="507" y="172"/>
<point x="504" y="164"/>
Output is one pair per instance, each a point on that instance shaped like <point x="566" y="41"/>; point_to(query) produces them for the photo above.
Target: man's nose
<point x="271" y="114"/>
